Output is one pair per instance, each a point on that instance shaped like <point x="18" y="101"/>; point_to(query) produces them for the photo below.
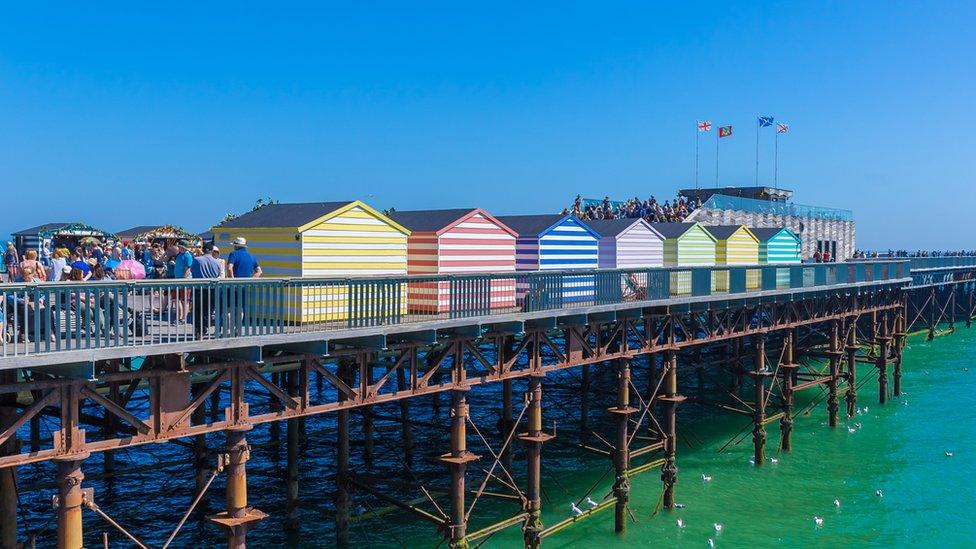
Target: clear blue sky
<point x="118" y="115"/>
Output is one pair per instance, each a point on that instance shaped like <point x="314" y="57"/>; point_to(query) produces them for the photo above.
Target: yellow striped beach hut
<point x="735" y="245"/>
<point x="316" y="240"/>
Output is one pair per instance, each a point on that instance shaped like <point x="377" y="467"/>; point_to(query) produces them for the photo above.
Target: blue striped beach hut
<point x="778" y="245"/>
<point x="555" y="243"/>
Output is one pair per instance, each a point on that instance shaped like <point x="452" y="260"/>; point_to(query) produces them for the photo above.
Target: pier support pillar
<point x="851" y="348"/>
<point x="788" y="370"/>
<point x="506" y="422"/>
<point x="759" y="374"/>
<point x="366" y="379"/>
<point x="899" y="343"/>
<point x="933" y="306"/>
<point x="621" y="454"/>
<point x="201" y="461"/>
<point x="238" y="517"/>
<point x="882" y="360"/>
<point x="8" y="475"/>
<point x="342" y="464"/>
<point x="534" y="438"/>
<point x="835" y="354"/>
<point x="457" y="460"/>
<point x="406" y="427"/>
<point x="71" y="497"/>
<point x="671" y="399"/>
<point x="292" y="442"/>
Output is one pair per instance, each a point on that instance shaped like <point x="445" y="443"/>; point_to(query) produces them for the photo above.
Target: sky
<point x="136" y="114"/>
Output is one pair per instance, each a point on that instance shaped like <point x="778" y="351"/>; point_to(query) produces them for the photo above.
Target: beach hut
<point x="735" y="245"/>
<point x="60" y="235"/>
<point x="628" y="243"/>
<point x="30" y="239"/>
<point x="158" y="233"/>
<point x="686" y="245"/>
<point x="778" y="245"/>
<point x="458" y="241"/>
<point x="552" y="243"/>
<point x="325" y="239"/>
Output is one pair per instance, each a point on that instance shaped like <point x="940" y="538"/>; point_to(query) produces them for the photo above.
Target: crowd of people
<point x="651" y="210"/>
<point x="860" y="254"/>
<point x="127" y="260"/>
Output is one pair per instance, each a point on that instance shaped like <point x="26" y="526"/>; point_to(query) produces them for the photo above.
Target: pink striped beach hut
<point x="457" y="241"/>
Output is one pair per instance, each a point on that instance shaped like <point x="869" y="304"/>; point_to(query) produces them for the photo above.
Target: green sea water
<point x="928" y="499"/>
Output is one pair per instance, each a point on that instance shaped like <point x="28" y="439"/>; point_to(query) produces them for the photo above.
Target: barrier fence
<point x="65" y="316"/>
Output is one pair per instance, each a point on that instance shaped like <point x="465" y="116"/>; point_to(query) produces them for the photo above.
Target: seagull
<point x="711" y="542"/>
<point x="706" y="478"/>
<point x="679" y="505"/>
<point x="851" y="430"/>
<point x="774" y="460"/>
<point x="576" y="510"/>
<point x="590" y="502"/>
<point x="818" y="521"/>
<point x="948" y="453"/>
<point x="865" y="409"/>
<point x="718" y="527"/>
<point x="752" y="462"/>
<point x="680" y="523"/>
<point x="879" y="493"/>
<point x="836" y="503"/>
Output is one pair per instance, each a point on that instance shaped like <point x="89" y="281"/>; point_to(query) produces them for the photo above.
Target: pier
<point x="117" y="373"/>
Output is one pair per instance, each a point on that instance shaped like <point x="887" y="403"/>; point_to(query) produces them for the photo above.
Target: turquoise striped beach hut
<point x="555" y="243"/>
<point x="778" y="245"/>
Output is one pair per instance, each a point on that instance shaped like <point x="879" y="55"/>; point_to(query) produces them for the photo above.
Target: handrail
<point x="72" y="316"/>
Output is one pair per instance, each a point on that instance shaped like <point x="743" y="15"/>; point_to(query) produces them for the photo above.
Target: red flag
<point x="725" y="131"/>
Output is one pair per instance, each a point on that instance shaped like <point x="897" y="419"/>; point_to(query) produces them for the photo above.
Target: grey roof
<point x="429" y="221"/>
<point x="39" y="228"/>
<point x="765" y="233"/>
<point x="283" y="215"/>
<point x="530" y="225"/>
<point x="672" y="230"/>
<point x="611" y="227"/>
<point x="722" y="232"/>
<point x="132" y="231"/>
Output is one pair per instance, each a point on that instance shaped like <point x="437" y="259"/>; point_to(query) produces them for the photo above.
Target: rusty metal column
<point x="882" y="360"/>
<point x="506" y="420"/>
<point x="342" y="465"/>
<point x="621" y="453"/>
<point x="671" y="398"/>
<point x="788" y="369"/>
<point x="367" y="380"/>
<point x="759" y="373"/>
<point x="405" y="415"/>
<point x="458" y="461"/>
<point x="835" y="353"/>
<point x="238" y="517"/>
<point x="71" y="497"/>
<point x="899" y="343"/>
<point x="851" y="347"/>
<point x="534" y="439"/>
<point x="292" y="509"/>
<point x="8" y="475"/>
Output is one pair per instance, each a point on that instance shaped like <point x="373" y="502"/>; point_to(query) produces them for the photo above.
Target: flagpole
<point x="697" y="131"/>
<point x="718" y="135"/>
<point x="757" y="150"/>
<point x="776" y="160"/>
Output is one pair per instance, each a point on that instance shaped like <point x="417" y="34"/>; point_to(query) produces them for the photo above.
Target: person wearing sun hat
<point x="241" y="263"/>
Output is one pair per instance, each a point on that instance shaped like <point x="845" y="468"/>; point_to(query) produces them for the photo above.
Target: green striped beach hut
<point x="686" y="245"/>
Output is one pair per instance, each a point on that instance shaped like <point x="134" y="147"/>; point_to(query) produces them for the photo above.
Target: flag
<point x="704" y="126"/>
<point x="725" y="131"/>
<point x="765" y="121"/>
<point x="782" y="128"/>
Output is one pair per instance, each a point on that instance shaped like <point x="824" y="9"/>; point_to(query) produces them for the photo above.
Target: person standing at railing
<point x="11" y="260"/>
<point x="181" y="263"/>
<point x="241" y="263"/>
<point x="221" y="261"/>
<point x="30" y="262"/>
<point x="75" y="261"/>
<point x="205" y="266"/>
<point x="58" y="263"/>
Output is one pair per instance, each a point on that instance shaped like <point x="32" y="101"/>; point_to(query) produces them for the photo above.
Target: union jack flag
<point x="782" y="128"/>
<point x="704" y="125"/>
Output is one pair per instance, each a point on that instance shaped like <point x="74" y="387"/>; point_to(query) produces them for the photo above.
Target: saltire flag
<point x="704" y="126"/>
<point x="782" y="128"/>
<point x="725" y="131"/>
<point x="765" y="121"/>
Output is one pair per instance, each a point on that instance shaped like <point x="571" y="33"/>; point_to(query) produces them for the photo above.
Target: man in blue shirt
<point x="240" y="262"/>
<point x="204" y="267"/>
<point x="183" y="261"/>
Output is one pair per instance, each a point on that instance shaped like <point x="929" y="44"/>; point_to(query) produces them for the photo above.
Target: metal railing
<point x="916" y="263"/>
<point x="725" y="202"/>
<point x="66" y="316"/>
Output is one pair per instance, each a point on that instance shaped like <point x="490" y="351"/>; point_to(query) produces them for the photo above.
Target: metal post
<point x="851" y="396"/>
<point x="787" y="368"/>
<point x="759" y="374"/>
<point x="342" y="466"/>
<point x="835" y="354"/>
<point x="292" y="513"/>
<point x="8" y="475"/>
<point x="367" y="379"/>
<point x="457" y="460"/>
<point x="621" y="453"/>
<point x="882" y="360"/>
<point x="238" y="517"/>
<point x="933" y="305"/>
<point x="900" y="335"/>
<point x="69" y="502"/>
<point x="671" y="398"/>
<point x="506" y="420"/>
<point x="533" y="439"/>
<point x="201" y="465"/>
<point x="405" y="418"/>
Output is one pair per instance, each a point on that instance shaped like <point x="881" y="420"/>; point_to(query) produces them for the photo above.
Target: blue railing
<point x="67" y="316"/>
<point x="725" y="202"/>
<point x="943" y="262"/>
